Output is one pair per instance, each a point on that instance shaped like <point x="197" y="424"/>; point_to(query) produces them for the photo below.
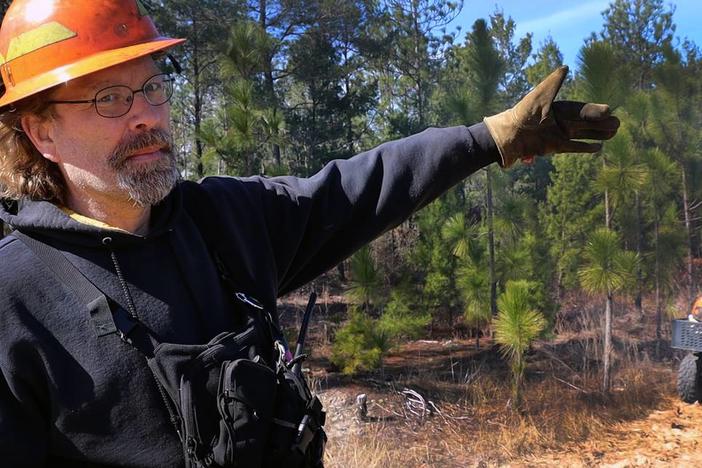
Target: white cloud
<point x="564" y="18"/>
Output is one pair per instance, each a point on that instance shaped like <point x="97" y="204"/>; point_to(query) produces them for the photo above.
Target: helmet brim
<point x="85" y="66"/>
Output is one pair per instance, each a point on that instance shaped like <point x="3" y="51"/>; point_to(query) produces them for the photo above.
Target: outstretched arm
<point x="311" y="224"/>
<point x="300" y="227"/>
<point x="351" y="202"/>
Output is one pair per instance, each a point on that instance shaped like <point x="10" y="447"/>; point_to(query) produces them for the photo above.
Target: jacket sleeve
<point x="313" y="223"/>
<point x="23" y="432"/>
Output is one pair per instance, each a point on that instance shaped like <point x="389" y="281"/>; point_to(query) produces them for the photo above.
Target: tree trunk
<point x="341" y="271"/>
<point x="691" y="290"/>
<point x="607" y="351"/>
<point x="268" y="75"/>
<point x="639" y="248"/>
<point x="657" y="273"/>
<point x="608" y="211"/>
<point x="451" y="303"/>
<point x="559" y="275"/>
<point x="491" y="245"/>
<point x="418" y="65"/>
<point x="607" y="348"/>
<point x="249" y="163"/>
<point x="347" y="116"/>
<point x="197" y="105"/>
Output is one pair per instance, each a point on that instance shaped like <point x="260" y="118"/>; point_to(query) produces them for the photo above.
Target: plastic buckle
<point x="125" y="324"/>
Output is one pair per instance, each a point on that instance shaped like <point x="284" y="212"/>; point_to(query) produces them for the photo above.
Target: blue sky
<point x="569" y="22"/>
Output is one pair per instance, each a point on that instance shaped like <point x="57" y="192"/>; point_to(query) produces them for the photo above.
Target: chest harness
<point x="239" y="400"/>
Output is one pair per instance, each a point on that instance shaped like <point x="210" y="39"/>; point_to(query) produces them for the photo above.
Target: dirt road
<point x="670" y="437"/>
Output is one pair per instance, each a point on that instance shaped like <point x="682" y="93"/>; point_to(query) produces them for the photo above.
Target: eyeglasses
<point x="116" y="101"/>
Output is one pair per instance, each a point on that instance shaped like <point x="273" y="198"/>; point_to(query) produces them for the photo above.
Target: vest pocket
<point x="245" y="400"/>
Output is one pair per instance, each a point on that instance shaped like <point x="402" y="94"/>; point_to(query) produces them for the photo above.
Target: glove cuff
<point x="503" y="129"/>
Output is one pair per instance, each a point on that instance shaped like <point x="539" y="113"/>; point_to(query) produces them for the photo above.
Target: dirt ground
<point x="669" y="437"/>
<point x="662" y="432"/>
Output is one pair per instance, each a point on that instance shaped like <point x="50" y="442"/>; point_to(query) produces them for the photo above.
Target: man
<point x="85" y="147"/>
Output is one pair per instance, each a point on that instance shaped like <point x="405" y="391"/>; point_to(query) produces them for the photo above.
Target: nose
<point x="144" y="116"/>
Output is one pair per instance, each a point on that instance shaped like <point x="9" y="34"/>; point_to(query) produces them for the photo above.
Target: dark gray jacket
<point x="69" y="398"/>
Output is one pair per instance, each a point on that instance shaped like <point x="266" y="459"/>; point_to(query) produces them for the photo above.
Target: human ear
<point x="40" y="132"/>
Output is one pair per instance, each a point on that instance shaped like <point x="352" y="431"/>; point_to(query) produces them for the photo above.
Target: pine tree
<point x="517" y="325"/>
<point x="569" y="214"/>
<point x="639" y="32"/>
<point x="409" y="71"/>
<point x="204" y="23"/>
<point x="667" y="239"/>
<point x="674" y="126"/>
<point x="245" y="129"/>
<point x="477" y="95"/>
<point x="364" y="284"/>
<point x="608" y="270"/>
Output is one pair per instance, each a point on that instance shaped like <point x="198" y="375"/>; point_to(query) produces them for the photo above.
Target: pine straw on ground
<point x="473" y="424"/>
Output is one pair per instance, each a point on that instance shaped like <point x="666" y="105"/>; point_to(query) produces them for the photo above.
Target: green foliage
<point x="457" y="234"/>
<point x="432" y="257"/>
<point x="480" y="70"/>
<point x="474" y="285"/>
<point x="364" y="284"/>
<point x="516" y="326"/>
<point x="600" y="78"/>
<point x="608" y="268"/>
<point x="667" y="239"/>
<point x="669" y="249"/>
<point x="400" y="320"/>
<point x="412" y="62"/>
<point x="197" y="94"/>
<point x="246" y="49"/>
<point x="514" y="54"/>
<point x="548" y="58"/>
<point x="242" y="133"/>
<point x="283" y="87"/>
<point x="436" y="287"/>
<point x="622" y="176"/>
<point x="569" y="214"/>
<point x="486" y="72"/>
<point x="639" y="31"/>
<point x="362" y="342"/>
<point x="358" y="345"/>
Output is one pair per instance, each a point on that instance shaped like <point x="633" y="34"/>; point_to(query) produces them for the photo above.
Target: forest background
<point x="282" y="87"/>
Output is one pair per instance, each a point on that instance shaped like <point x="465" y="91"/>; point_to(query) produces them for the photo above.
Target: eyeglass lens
<point x="116" y="101"/>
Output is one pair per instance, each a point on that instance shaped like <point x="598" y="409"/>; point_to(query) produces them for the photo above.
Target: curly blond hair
<point x="24" y="172"/>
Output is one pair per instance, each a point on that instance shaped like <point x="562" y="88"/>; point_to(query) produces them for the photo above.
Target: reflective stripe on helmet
<point x="44" y="35"/>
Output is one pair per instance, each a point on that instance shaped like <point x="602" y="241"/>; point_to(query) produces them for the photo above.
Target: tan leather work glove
<point x="537" y="125"/>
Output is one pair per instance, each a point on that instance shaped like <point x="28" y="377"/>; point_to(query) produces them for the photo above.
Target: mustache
<point x="131" y="144"/>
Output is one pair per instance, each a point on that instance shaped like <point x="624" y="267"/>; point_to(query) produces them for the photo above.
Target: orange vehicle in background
<point x="687" y="335"/>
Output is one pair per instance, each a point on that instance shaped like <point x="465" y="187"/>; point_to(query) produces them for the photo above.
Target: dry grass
<point x="476" y="427"/>
<point x="563" y="411"/>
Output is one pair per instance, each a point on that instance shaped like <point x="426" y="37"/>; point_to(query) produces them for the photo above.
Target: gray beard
<point x="145" y="185"/>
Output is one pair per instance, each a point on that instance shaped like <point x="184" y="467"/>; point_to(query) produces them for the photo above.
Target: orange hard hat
<point x="44" y="43"/>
